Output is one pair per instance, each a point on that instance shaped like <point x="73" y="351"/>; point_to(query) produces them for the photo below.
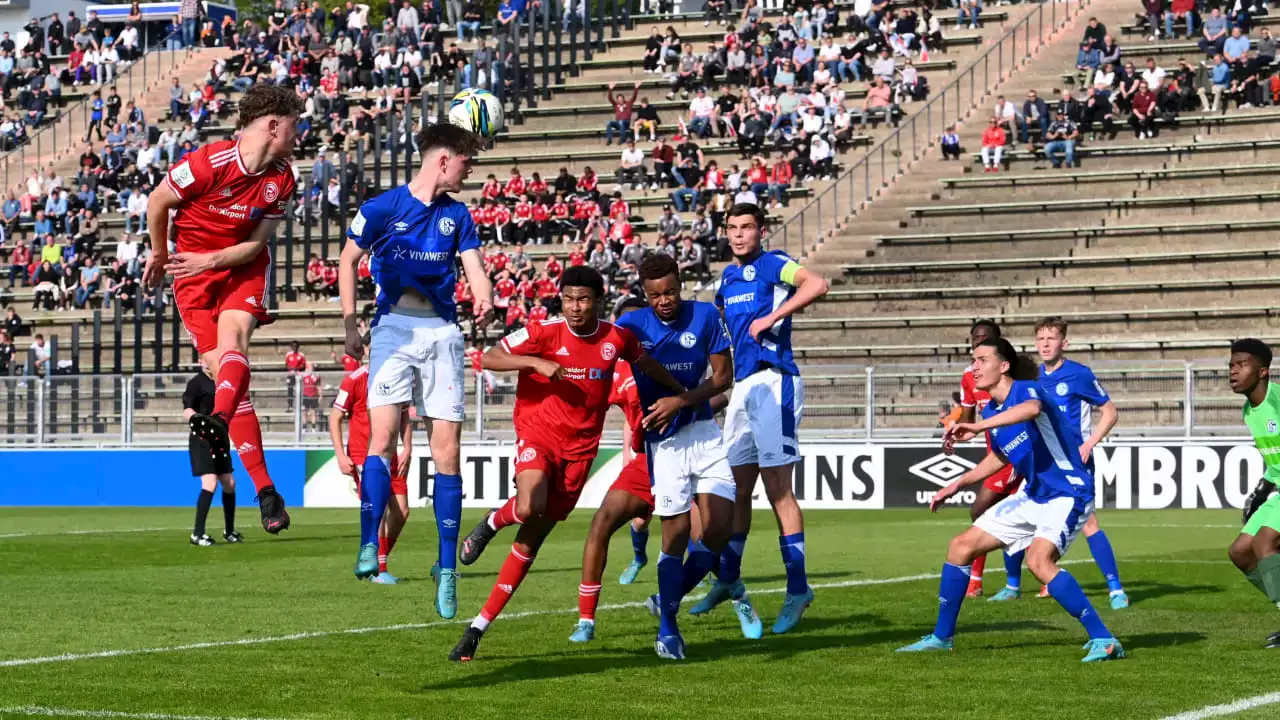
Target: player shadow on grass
<point x="1140" y="591"/>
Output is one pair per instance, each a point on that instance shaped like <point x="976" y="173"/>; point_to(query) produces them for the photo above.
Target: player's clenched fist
<point x="153" y="272"/>
<point x="353" y="344"/>
<point x="483" y="309"/>
<point x="548" y="369"/>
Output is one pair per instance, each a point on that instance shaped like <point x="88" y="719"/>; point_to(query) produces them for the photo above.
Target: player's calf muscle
<point x="1241" y="553"/>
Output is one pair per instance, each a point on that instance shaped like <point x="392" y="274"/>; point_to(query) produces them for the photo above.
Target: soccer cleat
<point x="928" y="643"/>
<point x="585" y="632"/>
<point x="367" y="562"/>
<point x="669" y="647"/>
<point x="435" y="572"/>
<point x="1044" y="592"/>
<point x="1006" y="594"/>
<point x="1101" y="649"/>
<point x="476" y="540"/>
<point x="213" y="430"/>
<point x="384" y="578"/>
<point x="629" y="575"/>
<point x="718" y="593"/>
<point x="232" y="537"/>
<point x="465" y="650"/>
<point x="274" y="517"/>
<point x="752" y="628"/>
<point x="653" y="606"/>
<point x="792" y="610"/>
<point x="1273" y="642"/>
<point x="446" y="593"/>
<point x="1119" y="600"/>
<point x="202" y="540"/>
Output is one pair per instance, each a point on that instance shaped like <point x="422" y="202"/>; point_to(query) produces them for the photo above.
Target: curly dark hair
<point x="456" y="140"/>
<point x="657" y="266"/>
<point x="264" y="100"/>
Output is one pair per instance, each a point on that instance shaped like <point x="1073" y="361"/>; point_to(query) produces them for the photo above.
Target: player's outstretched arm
<point x="989" y="466"/>
<point x="481" y="286"/>
<point x="809" y="287"/>
<point x="498" y="359"/>
<point x="1024" y="411"/>
<point x="161" y="201"/>
<point x="348" y="263"/>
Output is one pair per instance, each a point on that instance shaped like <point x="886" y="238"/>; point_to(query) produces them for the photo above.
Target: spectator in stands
<point x="39" y="355"/>
<point x="1095" y="34"/>
<point x="632" y="170"/>
<point x="1069" y="106"/>
<point x="669" y="224"/>
<point x="1142" y="117"/>
<point x="878" y="102"/>
<point x="781" y="176"/>
<point x="993" y="140"/>
<point x="189" y="12"/>
<point x="1034" y="112"/>
<point x="13" y="323"/>
<point x="19" y="261"/>
<point x="51" y="252"/>
<point x="1097" y="108"/>
<point x="602" y="259"/>
<point x="692" y="258"/>
<point x="1220" y="81"/>
<point x="1061" y="136"/>
<point x="1235" y="49"/>
<point x="47" y="292"/>
<point x="127" y="253"/>
<point x="622" y="110"/>
<point x="1088" y="58"/>
<point x="89" y="282"/>
<point x="950" y="142"/>
<point x="6" y="354"/>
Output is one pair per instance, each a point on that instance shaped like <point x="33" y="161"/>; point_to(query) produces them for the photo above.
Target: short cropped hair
<point x="1254" y="347"/>
<point x="1053" y="322"/>
<point x="451" y="137"/>
<point x="263" y="100"/>
<point x="657" y="266"/>
<point x="583" y="276"/>
<point x="990" y="324"/>
<point x="629" y="303"/>
<point x="751" y="209"/>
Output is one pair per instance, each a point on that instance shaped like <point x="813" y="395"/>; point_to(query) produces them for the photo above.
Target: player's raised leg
<point x="972" y="543"/>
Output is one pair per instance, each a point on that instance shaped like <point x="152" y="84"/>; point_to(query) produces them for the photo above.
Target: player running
<point x="212" y="470"/>
<point x="229" y="196"/>
<point x="1254" y="550"/>
<point x="566" y="368"/>
<point x="759" y="293"/>
<point x="415" y="234"/>
<point x="1045" y="515"/>
<point x="352" y="402"/>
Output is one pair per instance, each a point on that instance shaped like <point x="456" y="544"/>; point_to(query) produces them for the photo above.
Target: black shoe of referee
<point x="274" y="517"/>
<point x="1273" y="642"/>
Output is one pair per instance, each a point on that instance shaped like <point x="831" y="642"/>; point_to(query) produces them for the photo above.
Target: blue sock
<point x="1013" y="569"/>
<point x="1100" y="546"/>
<point x="1067" y="592"/>
<point x="375" y="491"/>
<point x="639" y="543"/>
<point x="793" y="560"/>
<point x="731" y="559"/>
<point x="670" y="582"/>
<point x="446" y="498"/>
<point x="696" y="566"/>
<point x="955" y="580"/>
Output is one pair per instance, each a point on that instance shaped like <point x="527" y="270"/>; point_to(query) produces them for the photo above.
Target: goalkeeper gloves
<point x="1257" y="498"/>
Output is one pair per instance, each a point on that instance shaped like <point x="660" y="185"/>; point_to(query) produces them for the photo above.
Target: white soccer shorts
<point x="690" y="462"/>
<point x="1019" y="519"/>
<point x="418" y="360"/>
<point x="762" y="419"/>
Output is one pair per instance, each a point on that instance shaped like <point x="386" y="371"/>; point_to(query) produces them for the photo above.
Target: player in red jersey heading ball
<point x="229" y="196"/>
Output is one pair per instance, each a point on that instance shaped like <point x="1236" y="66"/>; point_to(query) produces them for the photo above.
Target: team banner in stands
<point x="1145" y="476"/>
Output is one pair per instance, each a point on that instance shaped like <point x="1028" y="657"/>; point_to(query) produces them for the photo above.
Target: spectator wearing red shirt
<point x="993" y="140"/>
<point x="364" y="278"/>
<point x="329" y="280"/>
<point x="498" y="262"/>
<point x="542" y="222"/>
<point x="780" y="176"/>
<point x="503" y="290"/>
<point x="19" y="262"/>
<point x="311" y="386"/>
<point x="585" y="212"/>
<point x="538" y="312"/>
<point x="1143" y="117"/>
<point x="553" y="268"/>
<point x="587" y="184"/>
<point x="516" y="316"/>
<point x="523" y="230"/>
<point x="527" y="289"/>
<point x="620" y="234"/>
<point x="758" y="177"/>
<point x="577" y="256"/>
<point x="538" y="189"/>
<point x="619" y="208"/>
<point x="501" y="216"/>
<point x="561" y="223"/>
<point x="492" y="189"/>
<point x="664" y="158"/>
<point x="294" y="360"/>
<point x="546" y="286"/>
<point x="482" y="216"/>
<point x="515" y="185"/>
<point x="462" y="297"/>
<point x="314" y="276"/>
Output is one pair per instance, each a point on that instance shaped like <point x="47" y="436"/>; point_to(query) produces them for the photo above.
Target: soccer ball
<point x="479" y="111"/>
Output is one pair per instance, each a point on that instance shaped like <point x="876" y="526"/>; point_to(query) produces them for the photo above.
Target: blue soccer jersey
<point x="684" y="347"/>
<point x="1072" y="392"/>
<point x="414" y="246"/>
<point x="1040" y="450"/>
<point x="748" y="293"/>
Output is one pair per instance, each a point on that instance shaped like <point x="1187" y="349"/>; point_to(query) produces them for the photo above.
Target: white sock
<point x="480" y="623"/>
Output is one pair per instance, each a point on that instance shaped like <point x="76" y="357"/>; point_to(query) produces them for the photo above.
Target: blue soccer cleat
<point x="367" y="563"/>
<point x="752" y="628"/>
<point x="384" y="578"/>
<point x="585" y="632"/>
<point x="669" y="647"/>
<point x="1119" y="600"/>
<point x="447" y="594"/>
<point x="792" y="610"/>
<point x="435" y="572"/>
<point x="653" y="606"/>
<point x="928" y="643"/>
<point x="1005" y="595"/>
<point x="718" y="593"/>
<point x="1102" y="649"/>
<point x="629" y="575"/>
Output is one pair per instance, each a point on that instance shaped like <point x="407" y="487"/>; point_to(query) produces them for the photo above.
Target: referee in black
<point x="198" y="398"/>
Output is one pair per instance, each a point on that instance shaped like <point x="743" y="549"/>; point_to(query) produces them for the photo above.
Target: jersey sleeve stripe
<point x="173" y="187"/>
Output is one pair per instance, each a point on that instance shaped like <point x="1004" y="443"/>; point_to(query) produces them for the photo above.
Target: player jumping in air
<point x="1254" y="550"/>
<point x="566" y="368"/>
<point x="759" y="293"/>
<point x="1042" y="518"/>
<point x="213" y="470"/>
<point x="352" y="402"/>
<point x="416" y="233"/>
<point x="229" y="196"/>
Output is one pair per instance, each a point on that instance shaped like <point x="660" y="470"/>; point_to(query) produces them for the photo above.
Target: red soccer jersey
<point x="352" y="396"/>
<point x="311" y="385"/>
<point x="567" y="415"/>
<point x="500" y="261"/>
<point x="546" y="287"/>
<point x="515" y="314"/>
<point x="504" y="289"/>
<point x="625" y="395"/>
<point x="541" y="213"/>
<point x="524" y="212"/>
<point x="329" y="274"/>
<point x="587" y="183"/>
<point x="501" y="215"/>
<point x="554" y="268"/>
<point x="491" y="190"/>
<point x="221" y="203"/>
<point x="538" y="313"/>
<point x="527" y="289"/>
<point x="537" y="188"/>
<point x="577" y="258"/>
<point x="295" y="361"/>
<point x="514" y="187"/>
<point x="478" y="215"/>
<point x="363" y="268"/>
<point x="488" y="215"/>
<point x="584" y="209"/>
<point x="316" y="267"/>
<point x="619" y="209"/>
<point x="560" y="210"/>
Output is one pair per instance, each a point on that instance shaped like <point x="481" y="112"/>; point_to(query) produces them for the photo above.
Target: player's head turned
<point x="269" y="117"/>
<point x="581" y="288"/>
<point x="983" y="330"/>
<point x="994" y="359"/>
<point x="660" y="276"/>
<point x="744" y="224"/>
<point x="1250" y="365"/>
<point x="447" y="152"/>
<point x="1051" y="339"/>
<point x="629" y="304"/>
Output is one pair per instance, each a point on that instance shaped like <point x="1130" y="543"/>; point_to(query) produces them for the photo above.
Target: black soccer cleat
<point x="213" y="430"/>
<point x="232" y="537"/>
<point x="202" y="540"/>
<point x="1273" y="642"/>
<point x="274" y="517"/>
<point x="465" y="650"/>
<point x="474" y="543"/>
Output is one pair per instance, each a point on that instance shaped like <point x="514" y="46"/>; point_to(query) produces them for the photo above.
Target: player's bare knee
<point x="1091" y="526"/>
<point x="1263" y="545"/>
<point x="1042" y="564"/>
<point x="1241" y="553"/>
<point x="528" y="507"/>
<point x="961" y="550"/>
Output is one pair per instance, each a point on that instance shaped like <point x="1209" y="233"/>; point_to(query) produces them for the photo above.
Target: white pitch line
<point x="1238" y="706"/>
<point x="8" y="536"/>
<point x="40" y="711"/>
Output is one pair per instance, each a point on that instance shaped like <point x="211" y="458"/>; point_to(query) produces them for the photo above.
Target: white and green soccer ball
<point x="479" y="111"/>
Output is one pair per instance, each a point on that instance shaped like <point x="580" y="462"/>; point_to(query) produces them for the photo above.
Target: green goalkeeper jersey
<point x="1264" y="424"/>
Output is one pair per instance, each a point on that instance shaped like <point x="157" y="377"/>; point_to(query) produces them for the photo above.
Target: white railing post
<point x="297" y="410"/>
<point x="1188" y="400"/>
<point x="480" y="404"/>
<point x="126" y="409"/>
<point x="40" y="387"/>
<point x="871" y="402"/>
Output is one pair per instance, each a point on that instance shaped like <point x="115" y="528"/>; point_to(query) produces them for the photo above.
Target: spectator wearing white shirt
<point x="1006" y="115"/>
<point x="701" y="112"/>
<point x="358" y="18"/>
<point x="884" y="66"/>
<point x="127" y="253"/>
<point x="1105" y="77"/>
<point x="632" y="168"/>
<point x="136" y="212"/>
<point x="1154" y="75"/>
<point x="146" y="155"/>
<point x="407" y="18"/>
<point x="108" y="59"/>
<point x="820" y="156"/>
<point x="811" y="122"/>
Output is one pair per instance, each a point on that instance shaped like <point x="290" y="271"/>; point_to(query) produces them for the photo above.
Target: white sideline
<point x="1238" y="706"/>
<point x="40" y="711"/>
<point x="7" y="536"/>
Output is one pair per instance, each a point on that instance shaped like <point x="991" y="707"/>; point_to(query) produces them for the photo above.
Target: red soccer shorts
<point x="202" y="299"/>
<point x="399" y="480"/>
<point x="634" y="480"/>
<point x="1004" y="482"/>
<point x="566" y="477"/>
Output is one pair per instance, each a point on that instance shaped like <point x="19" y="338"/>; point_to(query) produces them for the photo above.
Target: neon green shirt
<point x="1264" y="424"/>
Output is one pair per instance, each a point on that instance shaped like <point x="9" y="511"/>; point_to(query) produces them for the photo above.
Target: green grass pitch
<point x="1194" y="632"/>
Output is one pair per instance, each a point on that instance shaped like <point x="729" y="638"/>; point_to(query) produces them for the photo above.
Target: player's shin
<point x="202" y="511"/>
<point x="731" y="559"/>
<point x="375" y="491"/>
<point x="232" y="383"/>
<point x="792" y="547"/>
<point x="1064" y="588"/>
<point x="696" y="566"/>
<point x="640" y="545"/>
<point x="505" y="515"/>
<point x="1269" y="571"/>
<point x="976" y="570"/>
<point x="1105" y="557"/>
<point x="513" y="572"/>
<point x="951" y="589"/>
<point x="670" y="592"/>
<point x="1013" y="569"/>
<point x="447" y="502"/>
<point x="246" y="434"/>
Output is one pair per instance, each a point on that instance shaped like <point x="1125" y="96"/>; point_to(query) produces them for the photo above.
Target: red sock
<point x="505" y="515"/>
<point x="232" y="384"/>
<point x="975" y="574"/>
<point x="510" y="576"/>
<point x="588" y="598"/>
<point x="246" y="436"/>
<point x="384" y="549"/>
